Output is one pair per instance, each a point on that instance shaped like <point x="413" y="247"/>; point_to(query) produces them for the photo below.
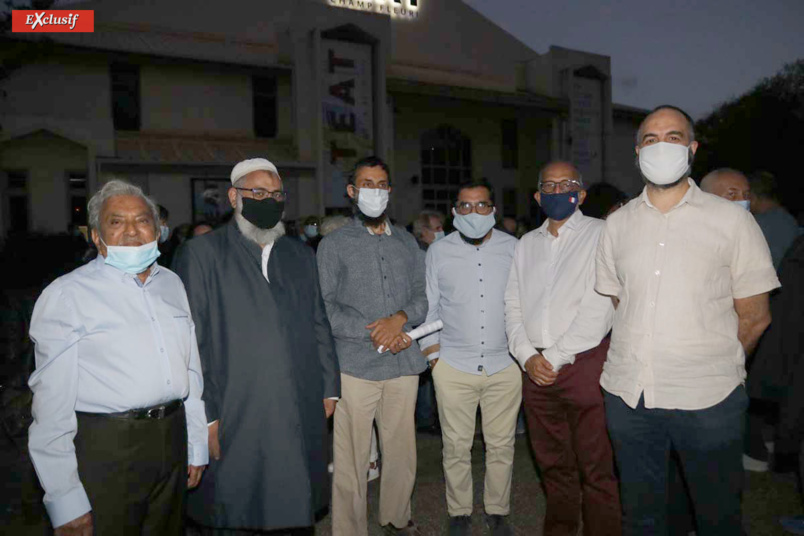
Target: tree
<point x="760" y="130"/>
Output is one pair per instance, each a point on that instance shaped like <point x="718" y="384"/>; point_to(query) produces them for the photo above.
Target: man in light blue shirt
<point x="466" y="277"/>
<point x="119" y="427"/>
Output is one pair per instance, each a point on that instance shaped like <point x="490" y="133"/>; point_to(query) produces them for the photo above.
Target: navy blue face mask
<point x="559" y="207"/>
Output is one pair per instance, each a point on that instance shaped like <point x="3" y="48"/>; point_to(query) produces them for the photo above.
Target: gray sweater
<point x="366" y="277"/>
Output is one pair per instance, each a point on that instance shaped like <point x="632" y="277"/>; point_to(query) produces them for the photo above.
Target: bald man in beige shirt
<point x="689" y="273"/>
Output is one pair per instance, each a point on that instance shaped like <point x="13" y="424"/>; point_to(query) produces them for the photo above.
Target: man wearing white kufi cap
<point x="269" y="363"/>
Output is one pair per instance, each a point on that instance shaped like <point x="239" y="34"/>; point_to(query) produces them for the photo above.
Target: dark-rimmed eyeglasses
<point x="562" y="187"/>
<point x="261" y="193"/>
<point x="481" y="207"/>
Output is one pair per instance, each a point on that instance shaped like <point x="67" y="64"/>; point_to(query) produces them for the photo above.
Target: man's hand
<point x="433" y="364"/>
<point x="214" y="444"/>
<point x="385" y="330"/>
<point x="329" y="407"/>
<point x="401" y="342"/>
<point x="80" y="526"/>
<point x="194" y="473"/>
<point x="540" y="371"/>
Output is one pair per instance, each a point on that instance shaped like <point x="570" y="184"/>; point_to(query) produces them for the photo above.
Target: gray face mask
<point x="473" y="225"/>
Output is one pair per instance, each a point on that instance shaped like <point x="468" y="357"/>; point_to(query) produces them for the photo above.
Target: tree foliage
<point x="760" y="130"/>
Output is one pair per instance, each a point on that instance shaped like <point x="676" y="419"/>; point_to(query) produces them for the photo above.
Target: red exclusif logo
<point x="52" y="21"/>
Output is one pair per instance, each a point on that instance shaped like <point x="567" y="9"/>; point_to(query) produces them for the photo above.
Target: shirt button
<point x="482" y="342"/>
<point x="657" y="272"/>
<point x="480" y="368"/>
<point x="168" y="382"/>
<point x="479" y="264"/>
<point x="481" y="280"/>
<point x="385" y="277"/>
<point x="162" y="350"/>
<point x="153" y="319"/>
<point x="661" y="244"/>
<point x="481" y="295"/>
<point x="482" y="327"/>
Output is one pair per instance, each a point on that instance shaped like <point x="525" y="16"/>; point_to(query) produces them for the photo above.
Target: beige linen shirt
<point x="676" y="275"/>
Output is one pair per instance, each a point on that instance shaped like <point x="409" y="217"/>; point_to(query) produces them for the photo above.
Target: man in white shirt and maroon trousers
<point x="556" y="325"/>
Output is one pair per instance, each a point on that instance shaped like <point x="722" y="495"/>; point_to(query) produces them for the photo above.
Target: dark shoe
<point x="498" y="525"/>
<point x="460" y="526"/>
<point x="410" y="530"/>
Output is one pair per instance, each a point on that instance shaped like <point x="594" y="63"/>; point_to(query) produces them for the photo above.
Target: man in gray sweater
<point x="373" y="285"/>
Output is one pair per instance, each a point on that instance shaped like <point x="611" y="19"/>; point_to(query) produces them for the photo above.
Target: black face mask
<point x="263" y="214"/>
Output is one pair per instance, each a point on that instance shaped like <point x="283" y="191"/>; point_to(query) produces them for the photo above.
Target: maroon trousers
<point x="567" y="425"/>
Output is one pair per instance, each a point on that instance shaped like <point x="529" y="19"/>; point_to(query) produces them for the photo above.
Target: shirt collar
<point x="115" y="273"/>
<point x="693" y="196"/>
<point x="570" y="224"/>
<point x="387" y="231"/>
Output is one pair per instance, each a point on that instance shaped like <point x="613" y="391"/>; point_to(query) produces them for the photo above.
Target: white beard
<point x="261" y="237"/>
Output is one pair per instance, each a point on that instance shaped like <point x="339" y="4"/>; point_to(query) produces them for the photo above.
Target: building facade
<point x="171" y="97"/>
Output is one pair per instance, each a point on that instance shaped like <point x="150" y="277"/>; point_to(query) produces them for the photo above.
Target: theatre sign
<point x="403" y="9"/>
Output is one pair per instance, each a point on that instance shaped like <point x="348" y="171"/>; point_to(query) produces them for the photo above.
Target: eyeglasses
<point x="561" y="187"/>
<point x="261" y="193"/>
<point x="481" y="207"/>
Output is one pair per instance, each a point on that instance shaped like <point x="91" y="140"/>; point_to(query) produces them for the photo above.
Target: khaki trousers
<point x="392" y="403"/>
<point x="500" y="397"/>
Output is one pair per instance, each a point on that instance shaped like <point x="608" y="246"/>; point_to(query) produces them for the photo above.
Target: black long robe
<point x="269" y="362"/>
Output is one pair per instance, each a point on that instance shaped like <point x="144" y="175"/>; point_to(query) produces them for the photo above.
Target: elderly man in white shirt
<point x="556" y="324"/>
<point x="466" y="276"/>
<point x="119" y="426"/>
<point x="690" y="274"/>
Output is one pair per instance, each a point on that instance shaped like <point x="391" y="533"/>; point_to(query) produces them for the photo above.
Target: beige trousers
<point x="500" y="397"/>
<point x="392" y="404"/>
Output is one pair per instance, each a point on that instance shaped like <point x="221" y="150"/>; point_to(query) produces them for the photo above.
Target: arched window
<point x="446" y="163"/>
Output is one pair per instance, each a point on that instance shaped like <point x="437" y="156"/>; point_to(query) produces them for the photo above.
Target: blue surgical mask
<point x="438" y="236"/>
<point x="164" y="233"/>
<point x="745" y="203"/>
<point x="131" y="259"/>
<point x="311" y="231"/>
<point x="473" y="225"/>
<point x="559" y="207"/>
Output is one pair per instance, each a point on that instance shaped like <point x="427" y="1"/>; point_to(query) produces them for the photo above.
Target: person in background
<point x="557" y="326"/>
<point x="509" y="225"/>
<point x="602" y="199"/>
<point x="373" y="285"/>
<point x="778" y="225"/>
<point x="200" y="229"/>
<point x="269" y="363"/>
<point x="466" y="276"/>
<point x="119" y="429"/>
<point x="310" y="231"/>
<point x="689" y="275"/>
<point x="729" y="184"/>
<point x="332" y="223"/>
<point x="428" y="227"/>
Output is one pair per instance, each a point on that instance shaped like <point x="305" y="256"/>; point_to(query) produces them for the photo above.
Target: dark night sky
<point x="695" y="54"/>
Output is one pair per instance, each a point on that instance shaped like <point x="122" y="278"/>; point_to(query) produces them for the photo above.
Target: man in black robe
<point x="271" y="375"/>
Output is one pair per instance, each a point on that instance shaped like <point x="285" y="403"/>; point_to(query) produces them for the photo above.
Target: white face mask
<point x="664" y="163"/>
<point x="438" y="235"/>
<point x="372" y="201"/>
<point x="745" y="203"/>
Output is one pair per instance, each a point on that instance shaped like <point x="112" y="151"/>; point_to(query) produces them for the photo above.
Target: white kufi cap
<point x="252" y="164"/>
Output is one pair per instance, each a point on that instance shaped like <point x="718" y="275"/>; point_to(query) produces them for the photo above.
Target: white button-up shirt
<point x="127" y="345"/>
<point x="550" y="301"/>
<point x="466" y="290"/>
<point x="677" y="275"/>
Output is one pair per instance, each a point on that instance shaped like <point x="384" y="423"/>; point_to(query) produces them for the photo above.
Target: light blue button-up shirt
<point x="128" y="345"/>
<point x="466" y="291"/>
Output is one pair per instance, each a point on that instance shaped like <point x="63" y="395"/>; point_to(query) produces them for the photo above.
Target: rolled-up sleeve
<point x="752" y="270"/>
<point x="55" y="390"/>
<point x="606" y="282"/>
<point x="433" y="304"/>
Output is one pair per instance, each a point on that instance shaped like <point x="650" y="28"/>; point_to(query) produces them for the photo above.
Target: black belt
<point x="155" y="412"/>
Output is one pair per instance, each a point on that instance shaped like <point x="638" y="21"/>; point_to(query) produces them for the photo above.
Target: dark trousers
<point x="709" y="445"/>
<point x="426" y="413"/>
<point x="134" y="472"/>
<point x="567" y="425"/>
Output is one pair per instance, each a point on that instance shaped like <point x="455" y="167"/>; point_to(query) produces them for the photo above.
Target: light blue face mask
<point x="164" y="233"/>
<point x="131" y="259"/>
<point x="438" y="235"/>
<point x="745" y="203"/>
<point x="473" y="225"/>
